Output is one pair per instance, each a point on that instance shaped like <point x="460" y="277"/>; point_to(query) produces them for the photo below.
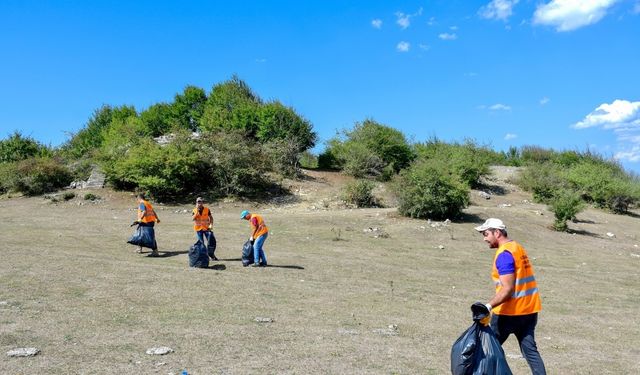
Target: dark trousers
<point x="523" y="326"/>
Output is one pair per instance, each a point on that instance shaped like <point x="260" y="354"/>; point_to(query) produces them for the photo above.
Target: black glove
<point x="480" y="311"/>
<point x="134" y="223"/>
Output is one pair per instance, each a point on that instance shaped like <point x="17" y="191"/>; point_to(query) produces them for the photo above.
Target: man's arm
<point x="508" y="282"/>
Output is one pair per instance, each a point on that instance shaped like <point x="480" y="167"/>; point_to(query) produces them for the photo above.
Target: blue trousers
<point x="258" y="253"/>
<point x="211" y="239"/>
<point x="523" y="326"/>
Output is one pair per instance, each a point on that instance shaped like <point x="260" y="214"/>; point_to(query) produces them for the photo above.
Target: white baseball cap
<point x="491" y="223"/>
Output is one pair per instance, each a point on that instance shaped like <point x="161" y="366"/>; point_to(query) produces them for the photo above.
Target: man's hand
<point x="480" y="310"/>
<point x="157" y="220"/>
<point x="210" y="226"/>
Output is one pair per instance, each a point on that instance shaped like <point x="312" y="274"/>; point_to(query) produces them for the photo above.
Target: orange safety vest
<point x="261" y="228"/>
<point x="526" y="297"/>
<point x="201" y="221"/>
<point x="149" y="213"/>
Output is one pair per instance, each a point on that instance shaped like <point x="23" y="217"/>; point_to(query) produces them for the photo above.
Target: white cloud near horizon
<point x="404" y="20"/>
<point x="498" y="9"/>
<point x="623" y="117"/>
<point x="403" y="46"/>
<point x="377" y="23"/>
<point x="510" y="136"/>
<point x="568" y="15"/>
<point x="499" y="107"/>
<point x="447" y="36"/>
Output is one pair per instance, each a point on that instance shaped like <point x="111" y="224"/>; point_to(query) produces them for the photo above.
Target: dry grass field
<point x="72" y="287"/>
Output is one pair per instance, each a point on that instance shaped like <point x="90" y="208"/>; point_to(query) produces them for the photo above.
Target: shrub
<point x="428" y="189"/>
<point x="69" y="195"/>
<point x="308" y="160"/>
<point x="468" y="160"/>
<point x="565" y="205"/>
<point x="91" y="197"/>
<point x="18" y="147"/>
<point x="37" y="176"/>
<point x="284" y="156"/>
<point x="369" y="149"/>
<point x="543" y="181"/>
<point x="360" y="193"/>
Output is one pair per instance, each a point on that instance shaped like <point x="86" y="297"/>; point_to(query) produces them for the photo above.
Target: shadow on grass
<point x="469" y="218"/>
<point x="584" y="221"/>
<point x="583" y="233"/>
<point x="168" y="254"/>
<point x="493" y="189"/>
<point x="217" y="267"/>
<point x="287" y="267"/>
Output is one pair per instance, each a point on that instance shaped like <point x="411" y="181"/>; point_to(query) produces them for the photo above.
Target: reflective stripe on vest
<point x="149" y="215"/>
<point x="201" y="221"/>
<point x="526" y="297"/>
<point x="261" y="228"/>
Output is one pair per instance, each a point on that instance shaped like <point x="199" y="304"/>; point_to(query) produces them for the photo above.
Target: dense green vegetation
<point x="231" y="142"/>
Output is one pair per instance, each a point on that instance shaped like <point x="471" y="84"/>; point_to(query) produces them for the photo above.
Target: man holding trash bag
<point x="203" y="226"/>
<point x="259" y="233"/>
<point x="147" y="218"/>
<point x="516" y="304"/>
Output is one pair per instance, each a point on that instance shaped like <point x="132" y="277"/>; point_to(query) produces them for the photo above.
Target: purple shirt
<point x="505" y="263"/>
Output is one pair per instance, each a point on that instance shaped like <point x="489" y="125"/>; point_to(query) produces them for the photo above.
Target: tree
<point x="18" y="147"/>
<point x="188" y="108"/>
<point x="232" y="105"/>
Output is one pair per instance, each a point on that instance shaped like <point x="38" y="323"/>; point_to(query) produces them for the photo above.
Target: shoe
<point x="256" y="265"/>
<point x="214" y="258"/>
<point x="154" y="254"/>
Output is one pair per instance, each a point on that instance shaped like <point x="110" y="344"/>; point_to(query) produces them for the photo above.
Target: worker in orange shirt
<point x="259" y="233"/>
<point x="147" y="218"/>
<point x="203" y="226"/>
<point x="516" y="303"/>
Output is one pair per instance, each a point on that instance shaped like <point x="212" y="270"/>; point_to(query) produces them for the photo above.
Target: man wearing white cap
<point x="516" y="304"/>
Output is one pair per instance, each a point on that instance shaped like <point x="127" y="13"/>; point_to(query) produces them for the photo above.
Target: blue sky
<point x="562" y="74"/>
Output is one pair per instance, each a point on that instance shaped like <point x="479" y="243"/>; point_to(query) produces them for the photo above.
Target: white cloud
<point x="424" y="47"/>
<point x="620" y="115"/>
<point x="260" y="61"/>
<point x="447" y="36"/>
<point x="636" y="8"/>
<point x="567" y="15"/>
<point x="471" y="74"/>
<point x="454" y="28"/>
<point x="510" y="136"/>
<point x="432" y="21"/>
<point x="623" y="117"/>
<point x="403" y="47"/>
<point x="544" y="101"/>
<point x="404" y="20"/>
<point x="499" y="107"/>
<point x="377" y="23"/>
<point x="498" y="9"/>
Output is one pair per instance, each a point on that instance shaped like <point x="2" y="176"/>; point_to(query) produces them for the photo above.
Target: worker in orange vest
<point x="259" y="233"/>
<point x="516" y="303"/>
<point x="203" y="226"/>
<point x="147" y="217"/>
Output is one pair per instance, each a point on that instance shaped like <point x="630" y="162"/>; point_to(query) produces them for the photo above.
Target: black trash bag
<point x="477" y="351"/>
<point x="247" y="253"/>
<point x="211" y="246"/>
<point x="144" y="236"/>
<point x="198" y="256"/>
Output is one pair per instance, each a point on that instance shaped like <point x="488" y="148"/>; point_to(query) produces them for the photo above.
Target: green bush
<point x="69" y="195"/>
<point x="37" y="176"/>
<point x="284" y="156"/>
<point x="360" y="193"/>
<point x="18" y="147"/>
<point x="565" y="205"/>
<point x="91" y="197"/>
<point x="543" y="181"/>
<point x="468" y="160"/>
<point x="428" y="189"/>
<point x="308" y="160"/>
<point x="370" y="149"/>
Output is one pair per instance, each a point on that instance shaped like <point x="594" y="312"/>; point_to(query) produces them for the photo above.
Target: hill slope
<point x="350" y="291"/>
